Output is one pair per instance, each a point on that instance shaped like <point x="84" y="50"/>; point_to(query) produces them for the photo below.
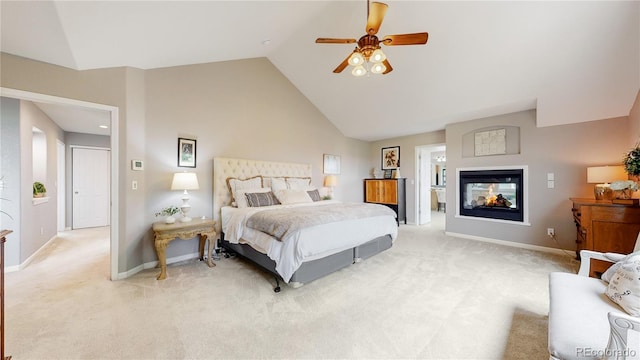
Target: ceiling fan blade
<point x="388" y="66"/>
<point x="406" y="39"/>
<point x="342" y="65"/>
<point x="334" y="41"/>
<point x="376" y="15"/>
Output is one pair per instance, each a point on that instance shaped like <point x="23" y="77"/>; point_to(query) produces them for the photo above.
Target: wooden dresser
<point x="389" y="192"/>
<point x="605" y="227"/>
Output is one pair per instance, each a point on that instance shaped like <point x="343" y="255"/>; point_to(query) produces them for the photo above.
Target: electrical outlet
<point x="551" y="232"/>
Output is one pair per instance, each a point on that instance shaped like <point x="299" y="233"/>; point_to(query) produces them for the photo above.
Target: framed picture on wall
<point x="186" y="152"/>
<point x="391" y="158"/>
<point x="331" y="164"/>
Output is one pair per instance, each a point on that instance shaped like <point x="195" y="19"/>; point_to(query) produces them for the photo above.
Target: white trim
<point x="115" y="161"/>
<point x="41" y="200"/>
<point x="30" y="258"/>
<point x="89" y="147"/>
<point x="510" y="243"/>
<point x="153" y="264"/>
<point x="525" y="193"/>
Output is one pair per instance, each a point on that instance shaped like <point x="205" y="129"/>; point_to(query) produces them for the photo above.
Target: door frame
<point x="423" y="176"/>
<point x="115" y="163"/>
<point x="61" y="152"/>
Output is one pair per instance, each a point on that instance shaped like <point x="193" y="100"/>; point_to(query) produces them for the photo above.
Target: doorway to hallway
<point x="431" y="176"/>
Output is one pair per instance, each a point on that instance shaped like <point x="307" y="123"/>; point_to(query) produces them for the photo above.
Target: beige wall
<point x="244" y="109"/>
<point x="408" y="146"/>
<point x="37" y="222"/>
<point x="634" y="119"/>
<point x="565" y="150"/>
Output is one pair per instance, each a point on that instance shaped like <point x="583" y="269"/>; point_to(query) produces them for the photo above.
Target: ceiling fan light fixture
<point x="378" y="68"/>
<point x="356" y="59"/>
<point x="359" y="71"/>
<point x="378" y="56"/>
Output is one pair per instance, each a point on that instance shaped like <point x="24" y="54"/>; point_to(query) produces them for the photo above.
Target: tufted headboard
<point x="224" y="168"/>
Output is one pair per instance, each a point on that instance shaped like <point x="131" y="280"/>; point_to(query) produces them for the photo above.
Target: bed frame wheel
<point x="277" y="288"/>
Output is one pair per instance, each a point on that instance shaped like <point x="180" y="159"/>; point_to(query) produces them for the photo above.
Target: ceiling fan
<point x="368" y="51"/>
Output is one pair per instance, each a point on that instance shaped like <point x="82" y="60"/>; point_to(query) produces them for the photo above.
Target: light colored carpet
<point x="430" y="296"/>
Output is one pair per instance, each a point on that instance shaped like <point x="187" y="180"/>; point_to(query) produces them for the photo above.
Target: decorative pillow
<point x="314" y="194"/>
<point x="607" y="275"/>
<point x="624" y="287"/>
<point x="241" y="198"/>
<point x="298" y="183"/>
<point x="293" y="196"/>
<point x="236" y="184"/>
<point x="261" y="199"/>
<point x="278" y="183"/>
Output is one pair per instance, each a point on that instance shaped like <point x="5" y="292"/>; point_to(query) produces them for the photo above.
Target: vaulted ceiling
<point x="573" y="61"/>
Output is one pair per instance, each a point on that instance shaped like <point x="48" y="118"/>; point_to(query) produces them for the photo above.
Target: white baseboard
<point x="25" y="263"/>
<point x="153" y="264"/>
<point x="511" y="243"/>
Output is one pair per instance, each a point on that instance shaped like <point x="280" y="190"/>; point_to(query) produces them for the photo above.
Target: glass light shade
<point x="605" y="174"/>
<point x="378" y="68"/>
<point x="359" y="70"/>
<point x="185" y="181"/>
<point x="378" y="56"/>
<point x="356" y="59"/>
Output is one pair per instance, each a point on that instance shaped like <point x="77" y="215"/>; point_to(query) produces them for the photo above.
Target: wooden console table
<point x="165" y="233"/>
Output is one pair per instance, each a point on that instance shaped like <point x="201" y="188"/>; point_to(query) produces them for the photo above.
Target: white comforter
<point x="307" y="244"/>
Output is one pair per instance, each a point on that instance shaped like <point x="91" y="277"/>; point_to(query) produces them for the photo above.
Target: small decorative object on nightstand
<point x="165" y="233"/>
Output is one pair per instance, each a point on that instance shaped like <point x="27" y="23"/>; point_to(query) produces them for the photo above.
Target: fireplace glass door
<point x="494" y="194"/>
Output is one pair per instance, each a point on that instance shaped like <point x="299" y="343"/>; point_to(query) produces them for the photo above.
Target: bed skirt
<point x="314" y="269"/>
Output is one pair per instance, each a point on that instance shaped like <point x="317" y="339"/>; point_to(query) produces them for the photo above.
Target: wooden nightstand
<point x="165" y="233"/>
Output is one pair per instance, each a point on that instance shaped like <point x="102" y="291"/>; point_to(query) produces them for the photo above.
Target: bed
<point x="293" y="252"/>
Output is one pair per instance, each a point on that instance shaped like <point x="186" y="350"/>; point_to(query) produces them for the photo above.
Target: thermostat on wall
<point x="137" y="165"/>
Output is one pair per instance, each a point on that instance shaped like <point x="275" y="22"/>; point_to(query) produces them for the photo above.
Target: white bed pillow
<point x="278" y="183"/>
<point x="293" y="196"/>
<point x="298" y="183"/>
<point x="236" y="184"/>
<point x="241" y="199"/>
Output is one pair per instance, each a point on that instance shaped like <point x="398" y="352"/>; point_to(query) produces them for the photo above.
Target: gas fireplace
<point x="493" y="194"/>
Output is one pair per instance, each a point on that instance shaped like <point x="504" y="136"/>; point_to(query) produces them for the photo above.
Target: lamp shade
<point x="605" y="174"/>
<point x="330" y="181"/>
<point x="185" y="181"/>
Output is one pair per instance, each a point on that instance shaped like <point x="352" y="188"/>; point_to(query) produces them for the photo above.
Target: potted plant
<point x="631" y="161"/>
<point x="169" y="212"/>
<point x="39" y="190"/>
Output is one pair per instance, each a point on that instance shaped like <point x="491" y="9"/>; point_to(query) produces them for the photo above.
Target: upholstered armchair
<point x="584" y="322"/>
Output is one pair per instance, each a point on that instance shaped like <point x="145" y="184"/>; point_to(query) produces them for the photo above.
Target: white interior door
<point x="91" y="187"/>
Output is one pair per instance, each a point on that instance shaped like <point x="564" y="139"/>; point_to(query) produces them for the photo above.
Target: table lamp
<point x="602" y="176"/>
<point x="185" y="181"/>
<point x="330" y="181"/>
